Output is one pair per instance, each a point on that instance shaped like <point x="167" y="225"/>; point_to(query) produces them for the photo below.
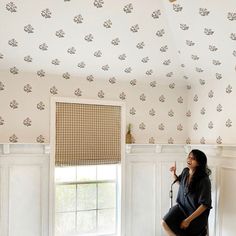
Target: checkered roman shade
<point x="87" y="134"/>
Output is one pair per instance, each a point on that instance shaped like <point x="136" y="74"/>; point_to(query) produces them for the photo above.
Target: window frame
<point x="52" y="184"/>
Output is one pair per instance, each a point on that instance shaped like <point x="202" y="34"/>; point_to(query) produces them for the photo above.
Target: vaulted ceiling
<point x="152" y="40"/>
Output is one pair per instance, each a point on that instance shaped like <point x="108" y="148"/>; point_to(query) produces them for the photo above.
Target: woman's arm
<point x="185" y="223"/>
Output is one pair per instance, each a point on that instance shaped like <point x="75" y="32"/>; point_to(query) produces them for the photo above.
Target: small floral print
<point x="40" y="106"/>
<point x="128" y="70"/>
<point x="233" y="36"/>
<point x="115" y="41"/>
<point x="153" y="84"/>
<point x="170" y="140"/>
<point x="145" y="59"/>
<point x="234" y="53"/>
<point x="195" y="57"/>
<point x="188" y="113"/>
<point x="231" y="16"/>
<point x="46" y="13"/>
<point x="149" y="72"/>
<point x="170" y="74"/>
<point x="101" y="94"/>
<point x="218" y="76"/>
<point x="98" y="3"/>
<point x="203" y="140"/>
<point x="142" y="97"/>
<point x="122" y="57"/>
<point x="128" y="8"/>
<point x="164" y="48"/>
<point x="213" y="48"/>
<point x="53" y="90"/>
<point x="152" y="112"/>
<point x="81" y="64"/>
<point x="229" y="89"/>
<point x="180" y="127"/>
<point x="14" y="104"/>
<point x="210" y="125"/>
<point x="28" y="58"/>
<point x="66" y="75"/>
<point x="203" y="12"/>
<point x="156" y="14"/>
<point x="184" y="27"/>
<point x="1" y="121"/>
<point x="105" y="67"/>
<point x="195" y="126"/>
<point x="11" y="7"/>
<point x="122" y="96"/>
<point x="219" y="140"/>
<point x="180" y="100"/>
<point x="55" y="62"/>
<point x="162" y="98"/>
<point x="88" y="38"/>
<point x="161" y="127"/>
<point x="97" y="53"/>
<point x="142" y="126"/>
<point x="216" y="62"/>
<point x="14" y="70"/>
<point x="195" y="98"/>
<point x="28" y="88"/>
<point x="41" y="73"/>
<point x="140" y="45"/>
<point x="160" y="32"/>
<point x="112" y="80"/>
<point x="189" y="86"/>
<point x="78" y="92"/>
<point x="190" y="43"/>
<point x="43" y="47"/>
<point x="27" y="122"/>
<point x="134" y="28"/>
<point x="1" y="56"/>
<point x="199" y="70"/>
<point x="219" y="108"/>
<point x="132" y="111"/>
<point x="167" y="62"/>
<point x="13" y="139"/>
<point x="2" y="86"/>
<point x="29" y="29"/>
<point x="202" y="81"/>
<point x="228" y="123"/>
<point x="78" y="19"/>
<point x="203" y="111"/>
<point x="107" y="24"/>
<point x="177" y="8"/>
<point x="211" y="94"/>
<point x="60" y="33"/>
<point x="151" y="140"/>
<point x="133" y="82"/>
<point x="13" y="43"/>
<point x="172" y="85"/>
<point x="188" y="141"/>
<point x="40" y="139"/>
<point x="71" y="50"/>
<point x="171" y="113"/>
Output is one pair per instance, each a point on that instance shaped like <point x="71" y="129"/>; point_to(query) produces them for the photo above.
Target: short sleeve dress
<point x="187" y="203"/>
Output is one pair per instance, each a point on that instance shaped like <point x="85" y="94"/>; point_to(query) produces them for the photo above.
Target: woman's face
<point x="191" y="161"/>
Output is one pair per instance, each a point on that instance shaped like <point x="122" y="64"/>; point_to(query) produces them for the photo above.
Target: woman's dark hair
<point x="202" y="169"/>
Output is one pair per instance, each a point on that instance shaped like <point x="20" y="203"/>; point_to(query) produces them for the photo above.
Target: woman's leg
<point x="166" y="228"/>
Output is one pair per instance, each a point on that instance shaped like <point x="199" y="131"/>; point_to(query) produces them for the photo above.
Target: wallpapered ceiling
<point x="121" y="50"/>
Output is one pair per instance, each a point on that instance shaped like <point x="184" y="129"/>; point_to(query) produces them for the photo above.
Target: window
<point x="87" y="200"/>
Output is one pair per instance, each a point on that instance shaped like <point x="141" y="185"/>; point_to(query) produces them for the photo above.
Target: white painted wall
<point x="24" y="181"/>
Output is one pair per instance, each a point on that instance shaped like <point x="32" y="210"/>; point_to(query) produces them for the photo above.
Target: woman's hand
<point x="184" y="224"/>
<point x="173" y="168"/>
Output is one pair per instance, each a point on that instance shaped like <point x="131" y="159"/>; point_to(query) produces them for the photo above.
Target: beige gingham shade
<point x="87" y="134"/>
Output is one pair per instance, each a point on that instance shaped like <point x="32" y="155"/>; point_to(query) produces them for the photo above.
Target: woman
<point x="189" y="217"/>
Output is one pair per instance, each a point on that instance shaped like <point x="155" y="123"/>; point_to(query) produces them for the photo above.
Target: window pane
<point x="106" y="221"/>
<point x="65" y="174"/>
<point x="86" y="222"/>
<point x="86" y="196"/>
<point x="106" y="195"/>
<point x="65" y="198"/>
<point x="106" y="172"/>
<point x="86" y="173"/>
<point x="65" y="223"/>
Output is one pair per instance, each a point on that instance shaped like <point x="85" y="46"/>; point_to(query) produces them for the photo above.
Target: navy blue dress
<point x="187" y="203"/>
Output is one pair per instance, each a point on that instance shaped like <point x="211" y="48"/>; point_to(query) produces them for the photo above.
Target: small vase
<point x="128" y="138"/>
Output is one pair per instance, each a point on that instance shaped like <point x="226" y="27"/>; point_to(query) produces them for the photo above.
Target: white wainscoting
<point x="24" y="188"/>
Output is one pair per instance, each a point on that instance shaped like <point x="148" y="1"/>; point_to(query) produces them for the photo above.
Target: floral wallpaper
<point x="173" y="64"/>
